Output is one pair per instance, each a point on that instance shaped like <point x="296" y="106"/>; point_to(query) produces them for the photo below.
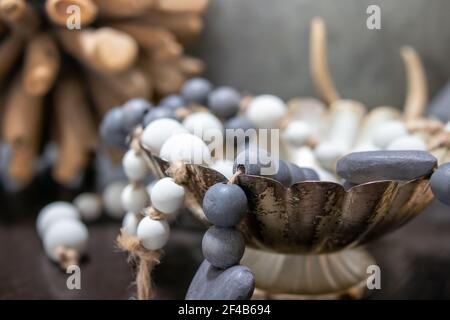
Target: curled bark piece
<point x="22" y="121"/>
<point x="42" y="62"/>
<point x="146" y="261"/>
<point x="19" y="15"/>
<point x="10" y="49"/>
<point x="77" y="136"/>
<point x="123" y="8"/>
<point x="155" y="40"/>
<point x="195" y="6"/>
<point x="104" y="50"/>
<point x="417" y="91"/>
<point x="319" y="66"/>
<point x="59" y="11"/>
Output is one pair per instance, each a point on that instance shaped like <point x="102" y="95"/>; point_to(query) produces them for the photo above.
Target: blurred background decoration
<point x="57" y="83"/>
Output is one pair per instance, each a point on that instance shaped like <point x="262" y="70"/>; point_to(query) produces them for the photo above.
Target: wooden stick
<point x="104" y="49"/>
<point x="194" y="6"/>
<point x="42" y="62"/>
<point x="417" y="91"/>
<point x="319" y="65"/>
<point x="167" y="77"/>
<point x="22" y="122"/>
<point x="59" y="11"/>
<point x="155" y="40"/>
<point x="123" y="8"/>
<point x="10" y="49"/>
<point x="190" y="66"/>
<point x="19" y="15"/>
<point x="77" y="135"/>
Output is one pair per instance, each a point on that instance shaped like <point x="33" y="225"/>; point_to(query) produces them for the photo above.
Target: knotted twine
<point x="145" y="259"/>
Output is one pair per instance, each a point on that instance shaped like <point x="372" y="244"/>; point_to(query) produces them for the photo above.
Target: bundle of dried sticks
<point x="122" y="49"/>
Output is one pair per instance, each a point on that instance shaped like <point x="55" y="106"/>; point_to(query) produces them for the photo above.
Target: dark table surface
<point x="414" y="261"/>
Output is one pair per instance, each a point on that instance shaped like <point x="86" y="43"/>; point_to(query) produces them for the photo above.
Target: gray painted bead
<point x="440" y="183"/>
<point x="196" y="90"/>
<point x="310" y="174"/>
<point x="224" y="102"/>
<point x="134" y="111"/>
<point x="158" y="113"/>
<point x="362" y="167"/>
<point x="210" y="283"/>
<point x="283" y="174"/>
<point x="238" y="122"/>
<point x="438" y="107"/>
<point x="223" y="247"/>
<point x="225" y="204"/>
<point x="111" y="128"/>
<point x="173" y="102"/>
<point x="252" y="159"/>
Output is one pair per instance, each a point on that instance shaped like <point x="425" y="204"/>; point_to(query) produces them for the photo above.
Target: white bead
<point x="134" y="166"/>
<point x="130" y="223"/>
<point x="388" y="132"/>
<point x="158" y="131"/>
<point x="407" y="143"/>
<point x="89" y="205"/>
<point x="135" y="198"/>
<point x="366" y="146"/>
<point x="71" y="234"/>
<point x="153" y="234"/>
<point x="167" y="196"/>
<point x="266" y="111"/>
<point x="447" y="127"/>
<point x="112" y="199"/>
<point x="185" y="147"/>
<point x="225" y="167"/>
<point x="327" y="154"/>
<point x="54" y="212"/>
<point x="149" y="188"/>
<point x="297" y="133"/>
<point x="204" y="125"/>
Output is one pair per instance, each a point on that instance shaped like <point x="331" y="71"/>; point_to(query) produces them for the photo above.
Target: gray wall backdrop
<point x="263" y="45"/>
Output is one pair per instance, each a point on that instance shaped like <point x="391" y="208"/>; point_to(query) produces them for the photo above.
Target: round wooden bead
<point x="112" y="199"/>
<point x="223" y="247"/>
<point x="69" y="233"/>
<point x="185" y="147"/>
<point x="440" y="183"/>
<point x="328" y="153"/>
<point x="130" y="223"/>
<point x="167" y="196"/>
<point x="89" y="205"/>
<point x="253" y="160"/>
<point x="134" y="111"/>
<point x="204" y="125"/>
<point x="224" y="102"/>
<point x="283" y="174"/>
<point x="153" y="234"/>
<point x="112" y="130"/>
<point x="135" y="198"/>
<point x="297" y="133"/>
<point x="238" y="122"/>
<point x="196" y="90"/>
<point x="173" y="102"/>
<point x="157" y="132"/>
<point x="407" y="143"/>
<point x="266" y="111"/>
<point x="158" y="113"/>
<point x="54" y="212"/>
<point x="388" y="132"/>
<point x="225" y="204"/>
<point x="134" y="166"/>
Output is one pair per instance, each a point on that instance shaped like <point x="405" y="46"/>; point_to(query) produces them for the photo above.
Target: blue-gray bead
<point x="347" y="185"/>
<point x="283" y="174"/>
<point x="253" y="160"/>
<point x="438" y="107"/>
<point x="310" y="174"/>
<point x="112" y="131"/>
<point x="238" y="122"/>
<point x="362" y="167"/>
<point x="223" y="247"/>
<point x="225" y="204"/>
<point x="158" y="113"/>
<point x="196" y="90"/>
<point x="440" y="183"/>
<point x="210" y="283"/>
<point x="134" y="111"/>
<point x="224" y="102"/>
<point x="173" y="102"/>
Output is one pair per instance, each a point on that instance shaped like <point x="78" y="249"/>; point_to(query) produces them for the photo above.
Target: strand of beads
<point x="224" y="205"/>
